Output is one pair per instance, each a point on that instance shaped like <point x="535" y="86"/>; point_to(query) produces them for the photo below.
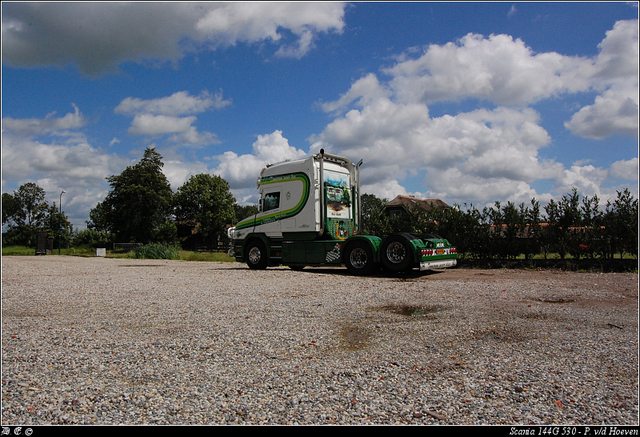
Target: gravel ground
<point x="115" y="341"/>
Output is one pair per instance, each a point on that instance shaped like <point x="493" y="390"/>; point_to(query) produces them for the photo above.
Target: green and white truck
<point x="309" y="215"/>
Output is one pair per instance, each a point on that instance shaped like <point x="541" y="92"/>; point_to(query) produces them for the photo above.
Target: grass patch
<point x="156" y="251"/>
<point x="18" y="251"/>
<point x="187" y="255"/>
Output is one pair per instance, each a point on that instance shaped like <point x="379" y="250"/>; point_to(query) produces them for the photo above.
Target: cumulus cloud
<point x="456" y="186"/>
<point x="613" y="112"/>
<point x="615" y="73"/>
<point x="485" y="154"/>
<point x="54" y="153"/>
<point x="242" y="170"/>
<point x="168" y="115"/>
<point x="31" y="147"/>
<point x="387" y="189"/>
<point x="179" y="103"/>
<point x="625" y="169"/>
<point x="398" y="140"/>
<point x="364" y="91"/>
<point x="586" y="178"/>
<point x="178" y="172"/>
<point x="505" y="71"/>
<point x="497" y="68"/>
<point x="149" y="124"/>
<point x="97" y="37"/>
<point x="231" y="23"/>
<point x="29" y="127"/>
<point x="31" y="151"/>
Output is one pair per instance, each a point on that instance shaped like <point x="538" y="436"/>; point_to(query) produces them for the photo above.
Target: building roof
<point x="408" y="202"/>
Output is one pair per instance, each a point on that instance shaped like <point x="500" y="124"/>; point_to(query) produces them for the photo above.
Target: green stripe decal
<point x="279" y="215"/>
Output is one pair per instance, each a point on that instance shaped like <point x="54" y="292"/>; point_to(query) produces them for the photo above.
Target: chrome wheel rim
<point x="254" y="255"/>
<point x="358" y="258"/>
<point x="396" y="252"/>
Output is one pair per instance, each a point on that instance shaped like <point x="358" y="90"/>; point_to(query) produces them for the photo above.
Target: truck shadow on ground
<point x="380" y="273"/>
<point x="341" y="271"/>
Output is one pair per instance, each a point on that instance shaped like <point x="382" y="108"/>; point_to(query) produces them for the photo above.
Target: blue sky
<point x="467" y="102"/>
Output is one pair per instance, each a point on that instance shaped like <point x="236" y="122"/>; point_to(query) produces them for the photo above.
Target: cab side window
<point x="271" y="201"/>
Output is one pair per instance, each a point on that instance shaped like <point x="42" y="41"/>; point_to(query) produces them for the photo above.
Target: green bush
<point x="156" y="251"/>
<point x="92" y="238"/>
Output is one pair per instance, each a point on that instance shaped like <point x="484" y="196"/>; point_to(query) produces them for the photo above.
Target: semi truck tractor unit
<point x="309" y="215"/>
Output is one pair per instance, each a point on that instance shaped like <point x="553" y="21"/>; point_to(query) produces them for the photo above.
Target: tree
<point x="534" y="233"/>
<point x="244" y="211"/>
<point x="621" y="219"/>
<point x="10" y="209"/>
<point x="569" y="223"/>
<point x="593" y="233"/>
<point x="138" y="207"/>
<point x="208" y="201"/>
<point x="98" y="219"/>
<point x="57" y="224"/>
<point x="513" y="224"/>
<point x="374" y="222"/>
<point x="24" y="213"/>
<point x="31" y="206"/>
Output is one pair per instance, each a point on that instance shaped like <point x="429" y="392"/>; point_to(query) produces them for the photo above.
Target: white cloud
<point x="483" y="154"/>
<point x="388" y="189"/>
<point x="178" y="172"/>
<point x="615" y="72"/>
<point x="364" y="91"/>
<point x="79" y="169"/>
<point x="455" y="186"/>
<point x="618" y="57"/>
<point x="165" y="115"/>
<point x="97" y="37"/>
<point x="586" y="178"/>
<point x="231" y="23"/>
<point x="149" y="124"/>
<point x="496" y="68"/>
<point x="499" y="147"/>
<point x="23" y="158"/>
<point x="241" y="171"/>
<point x="44" y="126"/>
<point x="25" y="152"/>
<point x="625" y="169"/>
<point x="507" y="72"/>
<point x="31" y="152"/>
<point x="179" y="103"/>
<point x="191" y="136"/>
<point x="613" y="112"/>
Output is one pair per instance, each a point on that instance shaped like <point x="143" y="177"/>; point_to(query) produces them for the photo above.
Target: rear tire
<point x="256" y="255"/>
<point x="358" y="257"/>
<point x="396" y="253"/>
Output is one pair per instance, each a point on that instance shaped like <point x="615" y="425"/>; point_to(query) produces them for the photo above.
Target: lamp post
<point x="60" y="225"/>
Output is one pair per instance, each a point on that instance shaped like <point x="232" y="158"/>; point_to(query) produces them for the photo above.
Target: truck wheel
<point x="396" y="255"/>
<point x="257" y="255"/>
<point x="358" y="257"/>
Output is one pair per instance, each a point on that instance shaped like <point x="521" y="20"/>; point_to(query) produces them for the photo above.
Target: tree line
<point x="142" y="208"/>
<point x="574" y="225"/>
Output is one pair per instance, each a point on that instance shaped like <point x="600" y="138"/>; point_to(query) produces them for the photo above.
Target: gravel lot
<point x="114" y="341"/>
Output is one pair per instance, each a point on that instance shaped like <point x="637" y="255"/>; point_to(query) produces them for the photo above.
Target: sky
<point x="470" y="103"/>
